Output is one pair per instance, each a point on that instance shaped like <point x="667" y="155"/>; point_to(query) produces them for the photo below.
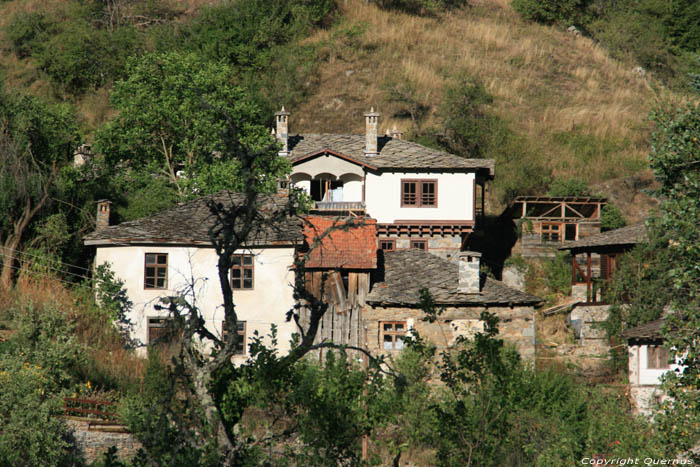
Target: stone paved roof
<point x="630" y="235"/>
<point x="394" y="153"/>
<point x="651" y="330"/>
<point x="407" y="271"/>
<point x="189" y="223"/>
<point x="352" y="248"/>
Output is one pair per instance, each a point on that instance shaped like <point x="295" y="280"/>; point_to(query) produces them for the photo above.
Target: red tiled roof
<point x="352" y="244"/>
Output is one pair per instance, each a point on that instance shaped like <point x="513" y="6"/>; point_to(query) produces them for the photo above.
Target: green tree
<point x="173" y="110"/>
<point x="568" y="187"/>
<point x="36" y="139"/>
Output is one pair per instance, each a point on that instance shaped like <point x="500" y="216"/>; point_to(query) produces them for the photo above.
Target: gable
<point x="328" y="162"/>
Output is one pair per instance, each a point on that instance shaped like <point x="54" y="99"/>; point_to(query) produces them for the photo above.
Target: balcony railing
<point x="339" y="206"/>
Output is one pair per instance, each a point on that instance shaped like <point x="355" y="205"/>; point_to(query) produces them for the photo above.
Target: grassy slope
<point x="581" y="113"/>
<point x="585" y="114"/>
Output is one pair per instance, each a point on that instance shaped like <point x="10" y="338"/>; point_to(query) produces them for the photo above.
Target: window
<point x="569" y="232"/>
<point x="387" y="244"/>
<point x="419" y="193"/>
<point x="241" y="343"/>
<point x="160" y="330"/>
<point x="550" y="232"/>
<point x="242" y="272"/>
<point x="392" y="334"/>
<point x="419" y="244"/>
<point x="156" y="271"/>
<point x="657" y="357"/>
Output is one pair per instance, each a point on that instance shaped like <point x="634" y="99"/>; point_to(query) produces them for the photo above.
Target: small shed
<point x="546" y="222"/>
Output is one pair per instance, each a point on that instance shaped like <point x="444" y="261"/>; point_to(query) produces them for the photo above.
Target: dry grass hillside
<point x="585" y="113"/>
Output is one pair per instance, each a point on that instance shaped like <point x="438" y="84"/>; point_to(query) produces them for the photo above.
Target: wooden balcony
<point x="352" y="207"/>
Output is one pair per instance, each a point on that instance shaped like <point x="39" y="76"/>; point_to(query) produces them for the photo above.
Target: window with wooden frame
<point x="241" y="343"/>
<point x="418" y="193"/>
<point x="156" y="271"/>
<point x="392" y="334"/>
<point x="550" y="232"/>
<point x="242" y="272"/>
<point x="160" y="331"/>
<point x="657" y="357"/>
<point x="387" y="244"/>
<point x="419" y="244"/>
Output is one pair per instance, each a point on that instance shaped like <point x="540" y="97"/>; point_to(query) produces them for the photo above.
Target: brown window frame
<point x="419" y="195"/>
<point x="658" y="357"/>
<point x="388" y="241"/>
<point x="241" y="347"/>
<point x="393" y="333"/>
<point x="242" y="268"/>
<point x="157" y="266"/>
<point x="423" y="242"/>
<point x="557" y="230"/>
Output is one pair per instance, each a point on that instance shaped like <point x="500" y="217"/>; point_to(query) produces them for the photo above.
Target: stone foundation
<point x="516" y="326"/>
<point x="646" y="399"/>
<point x="444" y="246"/>
<point x="92" y="442"/>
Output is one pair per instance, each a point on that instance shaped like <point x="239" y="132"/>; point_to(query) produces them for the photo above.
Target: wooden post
<point x="365" y="438"/>
<point x="589" y="282"/>
<point x="573" y="269"/>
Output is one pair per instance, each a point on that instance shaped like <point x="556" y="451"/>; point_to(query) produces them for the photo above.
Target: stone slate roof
<point x="353" y="248"/>
<point x="407" y="271"/>
<point x="189" y="223"/>
<point x="630" y="235"/>
<point x="394" y="153"/>
<point x="651" y="330"/>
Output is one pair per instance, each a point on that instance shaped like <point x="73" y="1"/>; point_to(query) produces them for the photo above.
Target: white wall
<point x="266" y="304"/>
<point x="644" y="375"/>
<point x="455" y="199"/>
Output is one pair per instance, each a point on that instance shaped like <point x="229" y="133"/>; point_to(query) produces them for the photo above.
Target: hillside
<point x="557" y="104"/>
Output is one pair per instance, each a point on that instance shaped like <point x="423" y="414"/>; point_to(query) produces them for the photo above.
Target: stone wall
<point x="516" y="326"/>
<point x="444" y="246"/>
<point x="585" y="321"/>
<point x="92" y="441"/>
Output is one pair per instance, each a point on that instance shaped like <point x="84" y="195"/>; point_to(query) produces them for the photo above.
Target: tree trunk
<point x="8" y="260"/>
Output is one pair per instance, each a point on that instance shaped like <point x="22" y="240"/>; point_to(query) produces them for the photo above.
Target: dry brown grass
<point x="544" y="81"/>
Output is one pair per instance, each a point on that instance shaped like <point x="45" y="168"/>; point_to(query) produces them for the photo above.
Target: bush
<point x="561" y="187"/>
<point x="565" y="12"/>
<point x="419" y="7"/>
<point x="25" y="30"/>
<point x="611" y="218"/>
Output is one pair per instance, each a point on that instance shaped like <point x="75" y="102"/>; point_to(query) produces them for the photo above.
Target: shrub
<point x="611" y="218"/>
<point x="568" y="187"/>
<point x="419" y="7"/>
<point x="565" y="12"/>
<point x="25" y="30"/>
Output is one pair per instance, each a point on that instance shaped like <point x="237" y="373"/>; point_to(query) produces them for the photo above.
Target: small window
<point x="550" y="232"/>
<point x="241" y="343"/>
<point x="657" y="357"/>
<point x="419" y="193"/>
<point x="160" y="331"/>
<point x="242" y="272"/>
<point x="419" y="244"/>
<point x="387" y="244"/>
<point x="156" y="271"/>
<point x="569" y="232"/>
<point x="392" y="334"/>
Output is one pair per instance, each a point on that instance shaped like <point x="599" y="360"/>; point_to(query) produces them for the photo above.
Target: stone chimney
<point x="282" y="131"/>
<point x="469" y="277"/>
<point x="371" y="123"/>
<point x="396" y="133"/>
<point x="102" y="219"/>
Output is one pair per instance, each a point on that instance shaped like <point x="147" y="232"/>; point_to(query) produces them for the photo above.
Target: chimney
<point x="371" y="121"/>
<point x="282" y="131"/>
<point x="102" y="220"/>
<point x="82" y="155"/>
<point x="469" y="277"/>
<point x="396" y="133"/>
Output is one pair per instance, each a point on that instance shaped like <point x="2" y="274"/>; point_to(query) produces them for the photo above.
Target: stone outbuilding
<point x="393" y="304"/>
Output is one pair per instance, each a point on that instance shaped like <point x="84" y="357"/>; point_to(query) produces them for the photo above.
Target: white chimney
<point x="469" y="276"/>
<point x="282" y="131"/>
<point x="371" y="123"/>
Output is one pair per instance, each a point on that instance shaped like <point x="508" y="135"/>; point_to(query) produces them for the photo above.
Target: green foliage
<point x="568" y="187"/>
<point x="550" y="278"/>
<point x="419" y="7"/>
<point x="25" y="30"/>
<point x="111" y="295"/>
<point x="565" y="12"/>
<point x="611" y="218"/>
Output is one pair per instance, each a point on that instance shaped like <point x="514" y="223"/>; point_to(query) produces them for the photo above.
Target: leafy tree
<point x="35" y="141"/>
<point x="173" y="110"/>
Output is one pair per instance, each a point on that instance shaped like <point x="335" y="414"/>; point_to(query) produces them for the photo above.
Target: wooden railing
<point x="88" y="408"/>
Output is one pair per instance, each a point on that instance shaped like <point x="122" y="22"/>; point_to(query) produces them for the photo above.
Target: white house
<point x="420" y="197"/>
<point x="648" y="362"/>
<point x="171" y="252"/>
